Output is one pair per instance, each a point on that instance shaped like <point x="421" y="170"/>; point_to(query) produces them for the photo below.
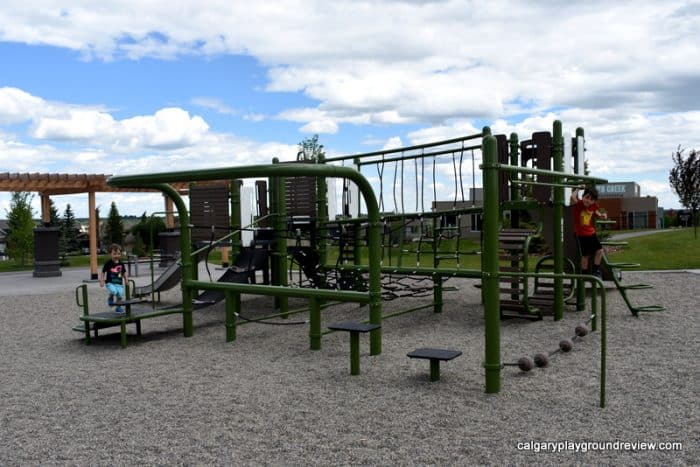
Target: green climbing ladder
<point x="615" y="269"/>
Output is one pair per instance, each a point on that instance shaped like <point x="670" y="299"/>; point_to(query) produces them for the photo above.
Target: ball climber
<point x="541" y="360"/>
<point x="525" y="364"/>
<point x="581" y="330"/>
<point x="566" y="345"/>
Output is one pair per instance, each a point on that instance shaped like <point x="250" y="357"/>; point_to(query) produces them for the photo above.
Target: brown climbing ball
<point x="566" y="345"/>
<point x="525" y="364"/>
<point x="581" y="330"/>
<point x="541" y="360"/>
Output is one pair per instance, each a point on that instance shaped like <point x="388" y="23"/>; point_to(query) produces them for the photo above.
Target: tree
<point x="20" y="222"/>
<point x="310" y="150"/>
<point x="685" y="180"/>
<point x="69" y="231"/>
<point x="114" y="230"/>
<point x="146" y="234"/>
<point x="54" y="217"/>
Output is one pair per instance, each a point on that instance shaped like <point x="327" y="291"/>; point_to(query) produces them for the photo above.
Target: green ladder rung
<point x="636" y="286"/>
<point x="623" y="265"/>
<point x="649" y="308"/>
<point x="447" y="257"/>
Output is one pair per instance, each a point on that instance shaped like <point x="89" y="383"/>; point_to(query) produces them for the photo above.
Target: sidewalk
<point x="24" y="283"/>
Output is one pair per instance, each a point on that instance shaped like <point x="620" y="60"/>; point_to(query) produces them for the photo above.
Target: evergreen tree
<point x="54" y="217"/>
<point x="20" y="238"/>
<point x="685" y="180"/>
<point x="146" y="233"/>
<point x="69" y="231"/>
<point x="114" y="230"/>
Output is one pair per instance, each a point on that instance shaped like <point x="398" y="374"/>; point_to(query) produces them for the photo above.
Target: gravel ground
<point x="266" y="399"/>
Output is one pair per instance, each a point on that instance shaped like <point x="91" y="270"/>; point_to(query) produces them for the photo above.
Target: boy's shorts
<point x="588" y="244"/>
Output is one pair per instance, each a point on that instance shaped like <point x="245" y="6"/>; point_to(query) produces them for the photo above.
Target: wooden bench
<point x="435" y="356"/>
<point x="354" y="329"/>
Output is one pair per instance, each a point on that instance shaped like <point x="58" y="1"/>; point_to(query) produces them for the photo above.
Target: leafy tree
<point x="69" y="231"/>
<point x="310" y="150"/>
<point x="685" y="180"/>
<point x="20" y="220"/>
<point x="114" y="230"/>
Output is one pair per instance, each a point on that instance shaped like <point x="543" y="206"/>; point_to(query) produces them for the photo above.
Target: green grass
<point x="675" y="249"/>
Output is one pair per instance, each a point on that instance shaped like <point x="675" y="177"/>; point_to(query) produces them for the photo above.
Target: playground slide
<point x="248" y="262"/>
<point x="167" y="280"/>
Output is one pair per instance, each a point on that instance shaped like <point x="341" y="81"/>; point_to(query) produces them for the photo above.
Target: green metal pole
<point x="437" y="279"/>
<point x="314" y="323"/>
<point x="274" y="256"/>
<point x="489" y="265"/>
<point x="434" y="370"/>
<point x="233" y="306"/>
<point x="514" y="190"/>
<point x="236" y="222"/>
<point x="185" y="256"/>
<point x="354" y="353"/>
<point x="280" y="228"/>
<point x="580" y="284"/>
<point x="558" y="222"/>
<point x="322" y="216"/>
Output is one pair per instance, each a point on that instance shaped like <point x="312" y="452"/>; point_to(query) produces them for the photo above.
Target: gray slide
<point x="167" y="280"/>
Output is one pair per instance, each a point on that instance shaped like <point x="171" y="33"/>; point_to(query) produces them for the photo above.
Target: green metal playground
<point x="394" y="238"/>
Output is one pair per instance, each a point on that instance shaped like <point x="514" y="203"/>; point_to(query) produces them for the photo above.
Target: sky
<point x="133" y="87"/>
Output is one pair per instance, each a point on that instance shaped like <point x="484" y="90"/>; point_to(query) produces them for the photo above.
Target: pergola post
<point x="92" y="233"/>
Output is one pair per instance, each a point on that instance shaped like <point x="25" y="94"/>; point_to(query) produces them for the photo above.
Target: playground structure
<point x="300" y="229"/>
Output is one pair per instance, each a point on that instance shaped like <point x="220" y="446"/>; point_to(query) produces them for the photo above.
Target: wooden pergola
<point x="48" y="185"/>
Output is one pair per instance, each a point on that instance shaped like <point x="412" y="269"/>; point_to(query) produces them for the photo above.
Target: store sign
<point x="612" y="189"/>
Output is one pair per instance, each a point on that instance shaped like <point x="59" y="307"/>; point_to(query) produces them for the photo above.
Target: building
<point x="625" y="205"/>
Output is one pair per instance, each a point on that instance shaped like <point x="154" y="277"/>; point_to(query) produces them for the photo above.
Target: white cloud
<point x="17" y="106"/>
<point x="626" y="72"/>
<point x="214" y="104"/>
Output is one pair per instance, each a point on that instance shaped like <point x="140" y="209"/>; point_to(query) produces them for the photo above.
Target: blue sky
<point x="132" y="87"/>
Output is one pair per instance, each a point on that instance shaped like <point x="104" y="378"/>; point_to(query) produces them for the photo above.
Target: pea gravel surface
<point x="267" y="399"/>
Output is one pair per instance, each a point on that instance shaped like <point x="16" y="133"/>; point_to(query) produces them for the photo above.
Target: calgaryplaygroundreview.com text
<point x="592" y="446"/>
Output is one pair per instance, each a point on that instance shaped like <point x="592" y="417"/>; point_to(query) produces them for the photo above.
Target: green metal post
<point x="315" y="323"/>
<point x="558" y="222"/>
<point x="274" y="256"/>
<point x="236" y="221"/>
<point x="489" y="266"/>
<point x="354" y="353"/>
<point x="185" y="256"/>
<point x="280" y="228"/>
<point x="322" y="215"/>
<point x="437" y="279"/>
<point x="233" y="307"/>
<point x="434" y="369"/>
<point x="580" y="284"/>
<point x="514" y="190"/>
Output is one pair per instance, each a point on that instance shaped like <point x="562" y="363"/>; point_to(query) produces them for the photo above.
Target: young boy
<point x="586" y="210"/>
<point x="113" y="276"/>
